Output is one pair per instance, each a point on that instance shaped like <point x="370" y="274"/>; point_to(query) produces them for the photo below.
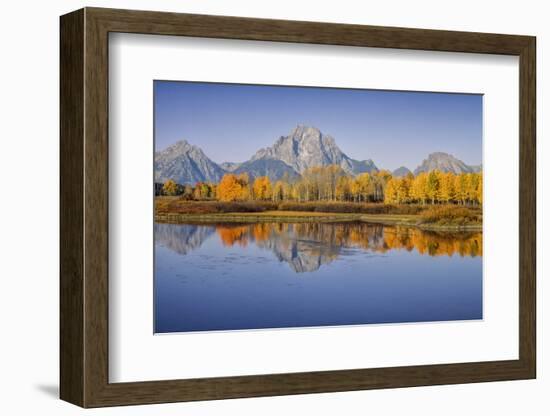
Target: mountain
<point x="229" y="166"/>
<point x="301" y="251"/>
<point x="362" y="166"/>
<point x="306" y="147"/>
<point x="476" y="168"/>
<point x="400" y="172"/>
<point x="182" y="239"/>
<point x="443" y="162"/>
<point x="185" y="163"/>
<point x="291" y="155"/>
<point x="273" y="168"/>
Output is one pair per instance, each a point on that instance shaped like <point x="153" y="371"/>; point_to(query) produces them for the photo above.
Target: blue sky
<point x="230" y="122"/>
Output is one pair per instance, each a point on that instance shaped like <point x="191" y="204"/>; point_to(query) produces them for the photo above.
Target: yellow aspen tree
<point x="257" y="188"/>
<point x="298" y="190"/>
<point x="366" y="186"/>
<point x="355" y="189"/>
<point x="382" y="178"/>
<point x="288" y="189"/>
<point x="197" y="191"/>
<point x="170" y="187"/>
<point x="342" y="191"/>
<point x="479" y="194"/>
<point x="277" y="194"/>
<point x="243" y="181"/>
<point x="419" y="187"/>
<point x="447" y="187"/>
<point x="473" y="183"/>
<point x="187" y="191"/>
<point x="432" y="186"/>
<point x="203" y="190"/>
<point x="229" y="188"/>
<point x="261" y="188"/>
<point x="461" y="188"/>
<point x="404" y="189"/>
<point x="391" y="191"/>
<point x="268" y="189"/>
<point x="334" y="172"/>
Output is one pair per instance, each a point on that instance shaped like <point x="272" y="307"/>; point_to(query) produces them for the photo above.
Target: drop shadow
<point x="51" y="390"/>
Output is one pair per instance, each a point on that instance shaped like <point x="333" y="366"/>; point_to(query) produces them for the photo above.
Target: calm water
<point x="229" y="276"/>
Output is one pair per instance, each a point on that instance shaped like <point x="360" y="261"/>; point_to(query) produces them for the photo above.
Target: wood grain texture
<point x="71" y="208"/>
<point x="84" y="207"/>
<point x="162" y="23"/>
<point x="96" y="207"/>
<point x="527" y="207"/>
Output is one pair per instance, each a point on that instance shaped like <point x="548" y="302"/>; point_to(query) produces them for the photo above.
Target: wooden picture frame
<point x="84" y="207"/>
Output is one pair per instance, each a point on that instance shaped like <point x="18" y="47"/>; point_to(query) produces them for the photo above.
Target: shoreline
<point x="309" y="217"/>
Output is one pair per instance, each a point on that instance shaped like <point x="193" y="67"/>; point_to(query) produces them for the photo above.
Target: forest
<point x="332" y="184"/>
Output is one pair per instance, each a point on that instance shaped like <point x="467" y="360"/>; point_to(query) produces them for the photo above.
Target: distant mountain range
<point x="445" y="163"/>
<point x="185" y="163"/>
<point x="306" y="147"/>
<point x="290" y="156"/>
<point x="400" y="172"/>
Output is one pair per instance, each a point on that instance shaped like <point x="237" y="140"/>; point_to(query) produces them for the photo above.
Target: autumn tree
<point x="277" y="194"/>
<point x="332" y="173"/>
<point x="419" y="188"/>
<point x="331" y="183"/>
<point x="479" y="195"/>
<point x="343" y="188"/>
<point x="187" y="192"/>
<point x="202" y="190"/>
<point x="404" y="188"/>
<point x="213" y="191"/>
<point x="261" y="188"/>
<point x="380" y="178"/>
<point x="287" y="190"/>
<point x="432" y="186"/>
<point x="365" y="187"/>
<point x="244" y="182"/>
<point x="461" y="188"/>
<point x="229" y="188"/>
<point x="447" y="187"/>
<point x="355" y="189"/>
<point x="391" y="191"/>
<point x="299" y="191"/>
<point x="317" y="183"/>
<point x="473" y="185"/>
<point x="170" y="187"/>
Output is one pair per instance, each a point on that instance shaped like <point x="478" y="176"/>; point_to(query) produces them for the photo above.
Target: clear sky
<point x="230" y="122"/>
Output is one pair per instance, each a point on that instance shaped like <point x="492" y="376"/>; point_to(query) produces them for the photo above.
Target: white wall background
<point x="29" y="158"/>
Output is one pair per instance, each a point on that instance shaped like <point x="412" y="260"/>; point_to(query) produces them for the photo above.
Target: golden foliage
<point x="331" y="184"/>
<point x="376" y="238"/>
<point x="262" y="188"/>
<point x="233" y="187"/>
<point x="170" y="187"/>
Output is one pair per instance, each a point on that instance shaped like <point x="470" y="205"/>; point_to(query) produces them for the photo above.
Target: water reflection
<point x="308" y="246"/>
<point x="182" y="238"/>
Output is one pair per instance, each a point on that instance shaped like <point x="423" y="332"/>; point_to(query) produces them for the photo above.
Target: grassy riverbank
<point x="442" y="217"/>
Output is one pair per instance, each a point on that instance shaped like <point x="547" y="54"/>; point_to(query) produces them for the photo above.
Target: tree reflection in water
<point x="307" y="246"/>
<point x="373" y="237"/>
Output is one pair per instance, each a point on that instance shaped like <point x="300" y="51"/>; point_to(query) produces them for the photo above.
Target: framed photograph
<point x="255" y="207"/>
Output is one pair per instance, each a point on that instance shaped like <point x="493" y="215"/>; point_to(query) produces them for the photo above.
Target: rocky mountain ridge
<point x="186" y="163"/>
<point x="305" y="147"/>
<point x="445" y="163"/>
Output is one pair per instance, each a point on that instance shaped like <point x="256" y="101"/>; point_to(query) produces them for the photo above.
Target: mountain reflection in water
<point x="305" y="247"/>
